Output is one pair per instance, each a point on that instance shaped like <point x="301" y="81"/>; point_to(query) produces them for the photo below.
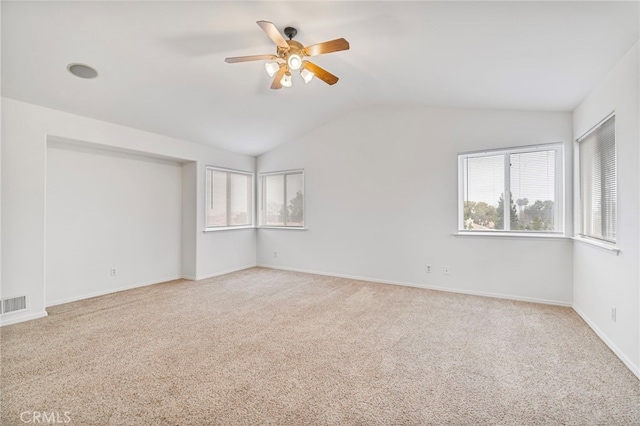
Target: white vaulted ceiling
<point x="161" y="64"/>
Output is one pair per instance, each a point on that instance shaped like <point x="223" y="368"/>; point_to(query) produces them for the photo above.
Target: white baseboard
<point x="113" y="290"/>
<point x="217" y="274"/>
<point x="14" y="318"/>
<point x="427" y="287"/>
<point x="630" y="365"/>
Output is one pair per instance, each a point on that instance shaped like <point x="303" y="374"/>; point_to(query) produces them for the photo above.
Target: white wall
<point x="25" y="130"/>
<point x="381" y="202"/>
<point x="109" y="209"/>
<point x="602" y="279"/>
<point x="189" y="219"/>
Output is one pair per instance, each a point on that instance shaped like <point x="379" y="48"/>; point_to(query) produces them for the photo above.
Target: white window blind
<point x="229" y="198"/>
<point x="598" y="187"/>
<point x="282" y="199"/>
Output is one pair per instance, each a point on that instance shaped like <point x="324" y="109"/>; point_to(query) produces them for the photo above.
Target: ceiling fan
<point x="289" y="57"/>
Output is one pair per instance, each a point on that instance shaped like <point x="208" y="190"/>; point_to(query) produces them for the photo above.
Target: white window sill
<point x="293" y="228"/>
<point x="601" y="245"/>
<point x="227" y="228"/>
<point x="523" y="235"/>
<point x="550" y="236"/>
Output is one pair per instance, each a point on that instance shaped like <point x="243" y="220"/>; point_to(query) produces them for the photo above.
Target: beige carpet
<point x="270" y="347"/>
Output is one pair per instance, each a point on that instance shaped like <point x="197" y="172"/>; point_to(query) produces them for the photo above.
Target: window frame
<point x="261" y="199"/>
<point x="579" y="210"/>
<point x="559" y="184"/>
<point x="207" y="200"/>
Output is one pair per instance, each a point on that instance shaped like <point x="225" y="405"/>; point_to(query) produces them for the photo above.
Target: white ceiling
<point x="162" y="68"/>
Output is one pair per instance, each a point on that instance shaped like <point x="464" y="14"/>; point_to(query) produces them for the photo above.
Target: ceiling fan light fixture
<point x="288" y="57"/>
<point x="294" y="61"/>
<point x="286" y="79"/>
<point x="306" y="75"/>
<point x="272" y="68"/>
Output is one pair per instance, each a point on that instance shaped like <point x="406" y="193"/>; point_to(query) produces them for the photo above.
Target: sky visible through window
<point x="532" y="177"/>
<point x="283" y="199"/>
<point x="484" y="179"/>
<point x="228" y="198"/>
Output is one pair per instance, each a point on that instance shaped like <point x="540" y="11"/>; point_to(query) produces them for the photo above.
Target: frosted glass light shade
<point x="306" y="75"/>
<point x="272" y="68"/>
<point x="286" y="80"/>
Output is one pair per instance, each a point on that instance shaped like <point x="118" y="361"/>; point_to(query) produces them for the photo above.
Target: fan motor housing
<point x="294" y="45"/>
<point x="294" y="48"/>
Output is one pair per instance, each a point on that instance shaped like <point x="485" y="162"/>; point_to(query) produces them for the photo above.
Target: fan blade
<point x="250" y="58"/>
<point x="326" y="47"/>
<point x="273" y="33"/>
<point x="275" y="85"/>
<point x="321" y="73"/>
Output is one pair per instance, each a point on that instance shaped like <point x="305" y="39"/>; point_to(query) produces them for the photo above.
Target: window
<point x="282" y="199"/>
<point x="598" y="187"/>
<point x="530" y="176"/>
<point x="229" y="198"/>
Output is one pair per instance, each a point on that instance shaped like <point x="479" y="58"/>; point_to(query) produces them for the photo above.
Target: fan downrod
<point x="290" y="32"/>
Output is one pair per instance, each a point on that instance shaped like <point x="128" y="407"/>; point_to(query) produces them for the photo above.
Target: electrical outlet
<point x="613" y="313"/>
<point x="428" y="269"/>
<point x="113" y="271"/>
<point x="275" y="254"/>
<point x="446" y="270"/>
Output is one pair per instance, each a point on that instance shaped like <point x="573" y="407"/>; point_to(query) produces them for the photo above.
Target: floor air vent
<point x="14" y="304"/>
